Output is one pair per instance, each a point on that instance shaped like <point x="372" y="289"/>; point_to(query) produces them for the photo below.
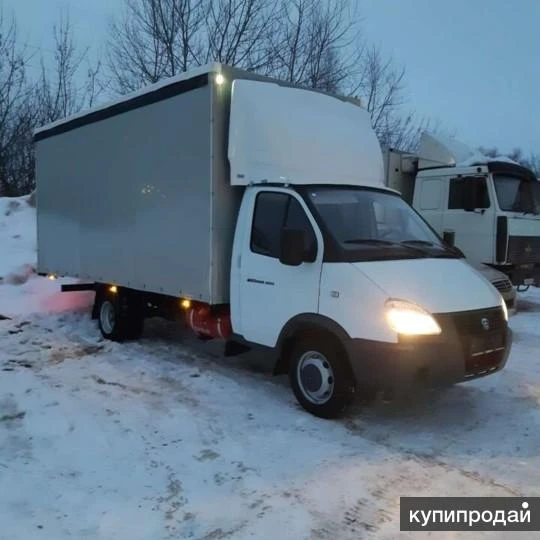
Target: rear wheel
<point x="119" y="316"/>
<point x="321" y="377"/>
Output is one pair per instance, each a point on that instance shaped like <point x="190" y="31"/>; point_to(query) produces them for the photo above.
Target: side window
<point x="268" y="222"/>
<point x="456" y="198"/>
<point x="297" y="219"/>
<point x="273" y="212"/>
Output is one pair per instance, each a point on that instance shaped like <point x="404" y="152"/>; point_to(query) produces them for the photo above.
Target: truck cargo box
<point x="138" y="194"/>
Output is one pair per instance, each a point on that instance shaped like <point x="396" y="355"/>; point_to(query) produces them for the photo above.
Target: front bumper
<point x="458" y="354"/>
<point x="510" y="299"/>
<point x="524" y="274"/>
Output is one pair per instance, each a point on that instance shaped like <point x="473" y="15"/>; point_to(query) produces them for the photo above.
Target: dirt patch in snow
<point x="11" y="417"/>
<point x="60" y="355"/>
<point x="11" y="207"/>
<point x="9" y="412"/>
<point x="20" y="276"/>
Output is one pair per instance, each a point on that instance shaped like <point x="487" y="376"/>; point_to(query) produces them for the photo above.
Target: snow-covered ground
<point x="165" y="438"/>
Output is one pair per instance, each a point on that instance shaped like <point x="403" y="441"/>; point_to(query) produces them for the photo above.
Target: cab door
<point x="270" y="293"/>
<point x="473" y="229"/>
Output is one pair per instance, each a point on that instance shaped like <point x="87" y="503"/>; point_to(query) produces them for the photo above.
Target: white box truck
<point x="257" y="212"/>
<point x="490" y="208"/>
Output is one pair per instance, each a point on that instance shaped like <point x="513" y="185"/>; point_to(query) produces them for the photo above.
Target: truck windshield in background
<point x="367" y="224"/>
<point x="517" y="194"/>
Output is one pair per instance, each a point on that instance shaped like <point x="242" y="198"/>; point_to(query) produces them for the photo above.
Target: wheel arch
<point x="303" y="324"/>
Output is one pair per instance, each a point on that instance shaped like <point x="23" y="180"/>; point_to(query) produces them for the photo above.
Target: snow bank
<point x="17" y="239"/>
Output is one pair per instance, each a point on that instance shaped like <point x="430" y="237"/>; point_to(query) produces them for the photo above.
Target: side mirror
<point x="449" y="238"/>
<point x="292" y="248"/>
<point x="470" y="194"/>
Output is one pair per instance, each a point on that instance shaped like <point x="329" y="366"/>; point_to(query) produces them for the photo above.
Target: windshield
<point x="371" y="225"/>
<point x="517" y="194"/>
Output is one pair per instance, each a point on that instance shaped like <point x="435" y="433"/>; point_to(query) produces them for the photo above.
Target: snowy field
<point x="165" y="438"/>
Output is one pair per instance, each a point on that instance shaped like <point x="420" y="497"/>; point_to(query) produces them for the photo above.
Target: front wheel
<point x="321" y="377"/>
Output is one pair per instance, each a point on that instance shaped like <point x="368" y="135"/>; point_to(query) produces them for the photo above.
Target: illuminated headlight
<point x="410" y="319"/>
<point x="505" y="309"/>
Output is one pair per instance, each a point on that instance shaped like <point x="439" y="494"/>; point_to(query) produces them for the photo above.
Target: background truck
<point x="256" y="212"/>
<point x="490" y="209"/>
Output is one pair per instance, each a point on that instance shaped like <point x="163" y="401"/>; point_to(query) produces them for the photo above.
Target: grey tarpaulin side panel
<point x="127" y="199"/>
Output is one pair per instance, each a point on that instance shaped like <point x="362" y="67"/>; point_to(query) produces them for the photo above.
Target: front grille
<point x="482" y="334"/>
<point x="502" y="285"/>
<point x="523" y="249"/>
<point x="469" y="323"/>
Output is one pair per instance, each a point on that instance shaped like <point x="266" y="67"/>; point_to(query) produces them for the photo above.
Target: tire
<point x="119" y="316"/>
<point x="321" y="376"/>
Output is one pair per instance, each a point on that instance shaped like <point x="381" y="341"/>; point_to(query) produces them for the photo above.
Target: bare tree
<point x="16" y="115"/>
<point x="239" y="32"/>
<point x="315" y="44"/>
<point x="154" y="39"/>
<point x="380" y="87"/>
<point x="63" y="89"/>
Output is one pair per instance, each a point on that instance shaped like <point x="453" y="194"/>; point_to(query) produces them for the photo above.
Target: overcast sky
<point x="473" y="65"/>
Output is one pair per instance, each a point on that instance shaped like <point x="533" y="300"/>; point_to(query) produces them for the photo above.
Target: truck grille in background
<point x="523" y="249"/>
<point x="483" y="349"/>
<point x="503" y="285"/>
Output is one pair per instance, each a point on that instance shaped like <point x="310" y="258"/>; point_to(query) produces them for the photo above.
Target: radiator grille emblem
<point x="485" y="324"/>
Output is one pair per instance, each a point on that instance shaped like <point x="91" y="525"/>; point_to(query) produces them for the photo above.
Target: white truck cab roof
<point x="280" y="134"/>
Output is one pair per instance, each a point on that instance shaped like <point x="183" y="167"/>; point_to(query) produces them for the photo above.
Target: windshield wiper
<point x="445" y="251"/>
<point x="420" y="243"/>
<point x="377" y="241"/>
<point x="369" y="241"/>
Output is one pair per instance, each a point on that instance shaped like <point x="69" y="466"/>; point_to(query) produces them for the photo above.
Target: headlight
<point x="505" y="309"/>
<point x="410" y="319"/>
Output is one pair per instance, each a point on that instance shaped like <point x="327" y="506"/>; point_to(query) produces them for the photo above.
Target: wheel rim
<point x="315" y="377"/>
<point x="107" y="317"/>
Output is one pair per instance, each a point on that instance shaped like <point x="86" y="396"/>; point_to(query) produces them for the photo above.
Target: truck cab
<point x="490" y="209"/>
<point x="329" y="263"/>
